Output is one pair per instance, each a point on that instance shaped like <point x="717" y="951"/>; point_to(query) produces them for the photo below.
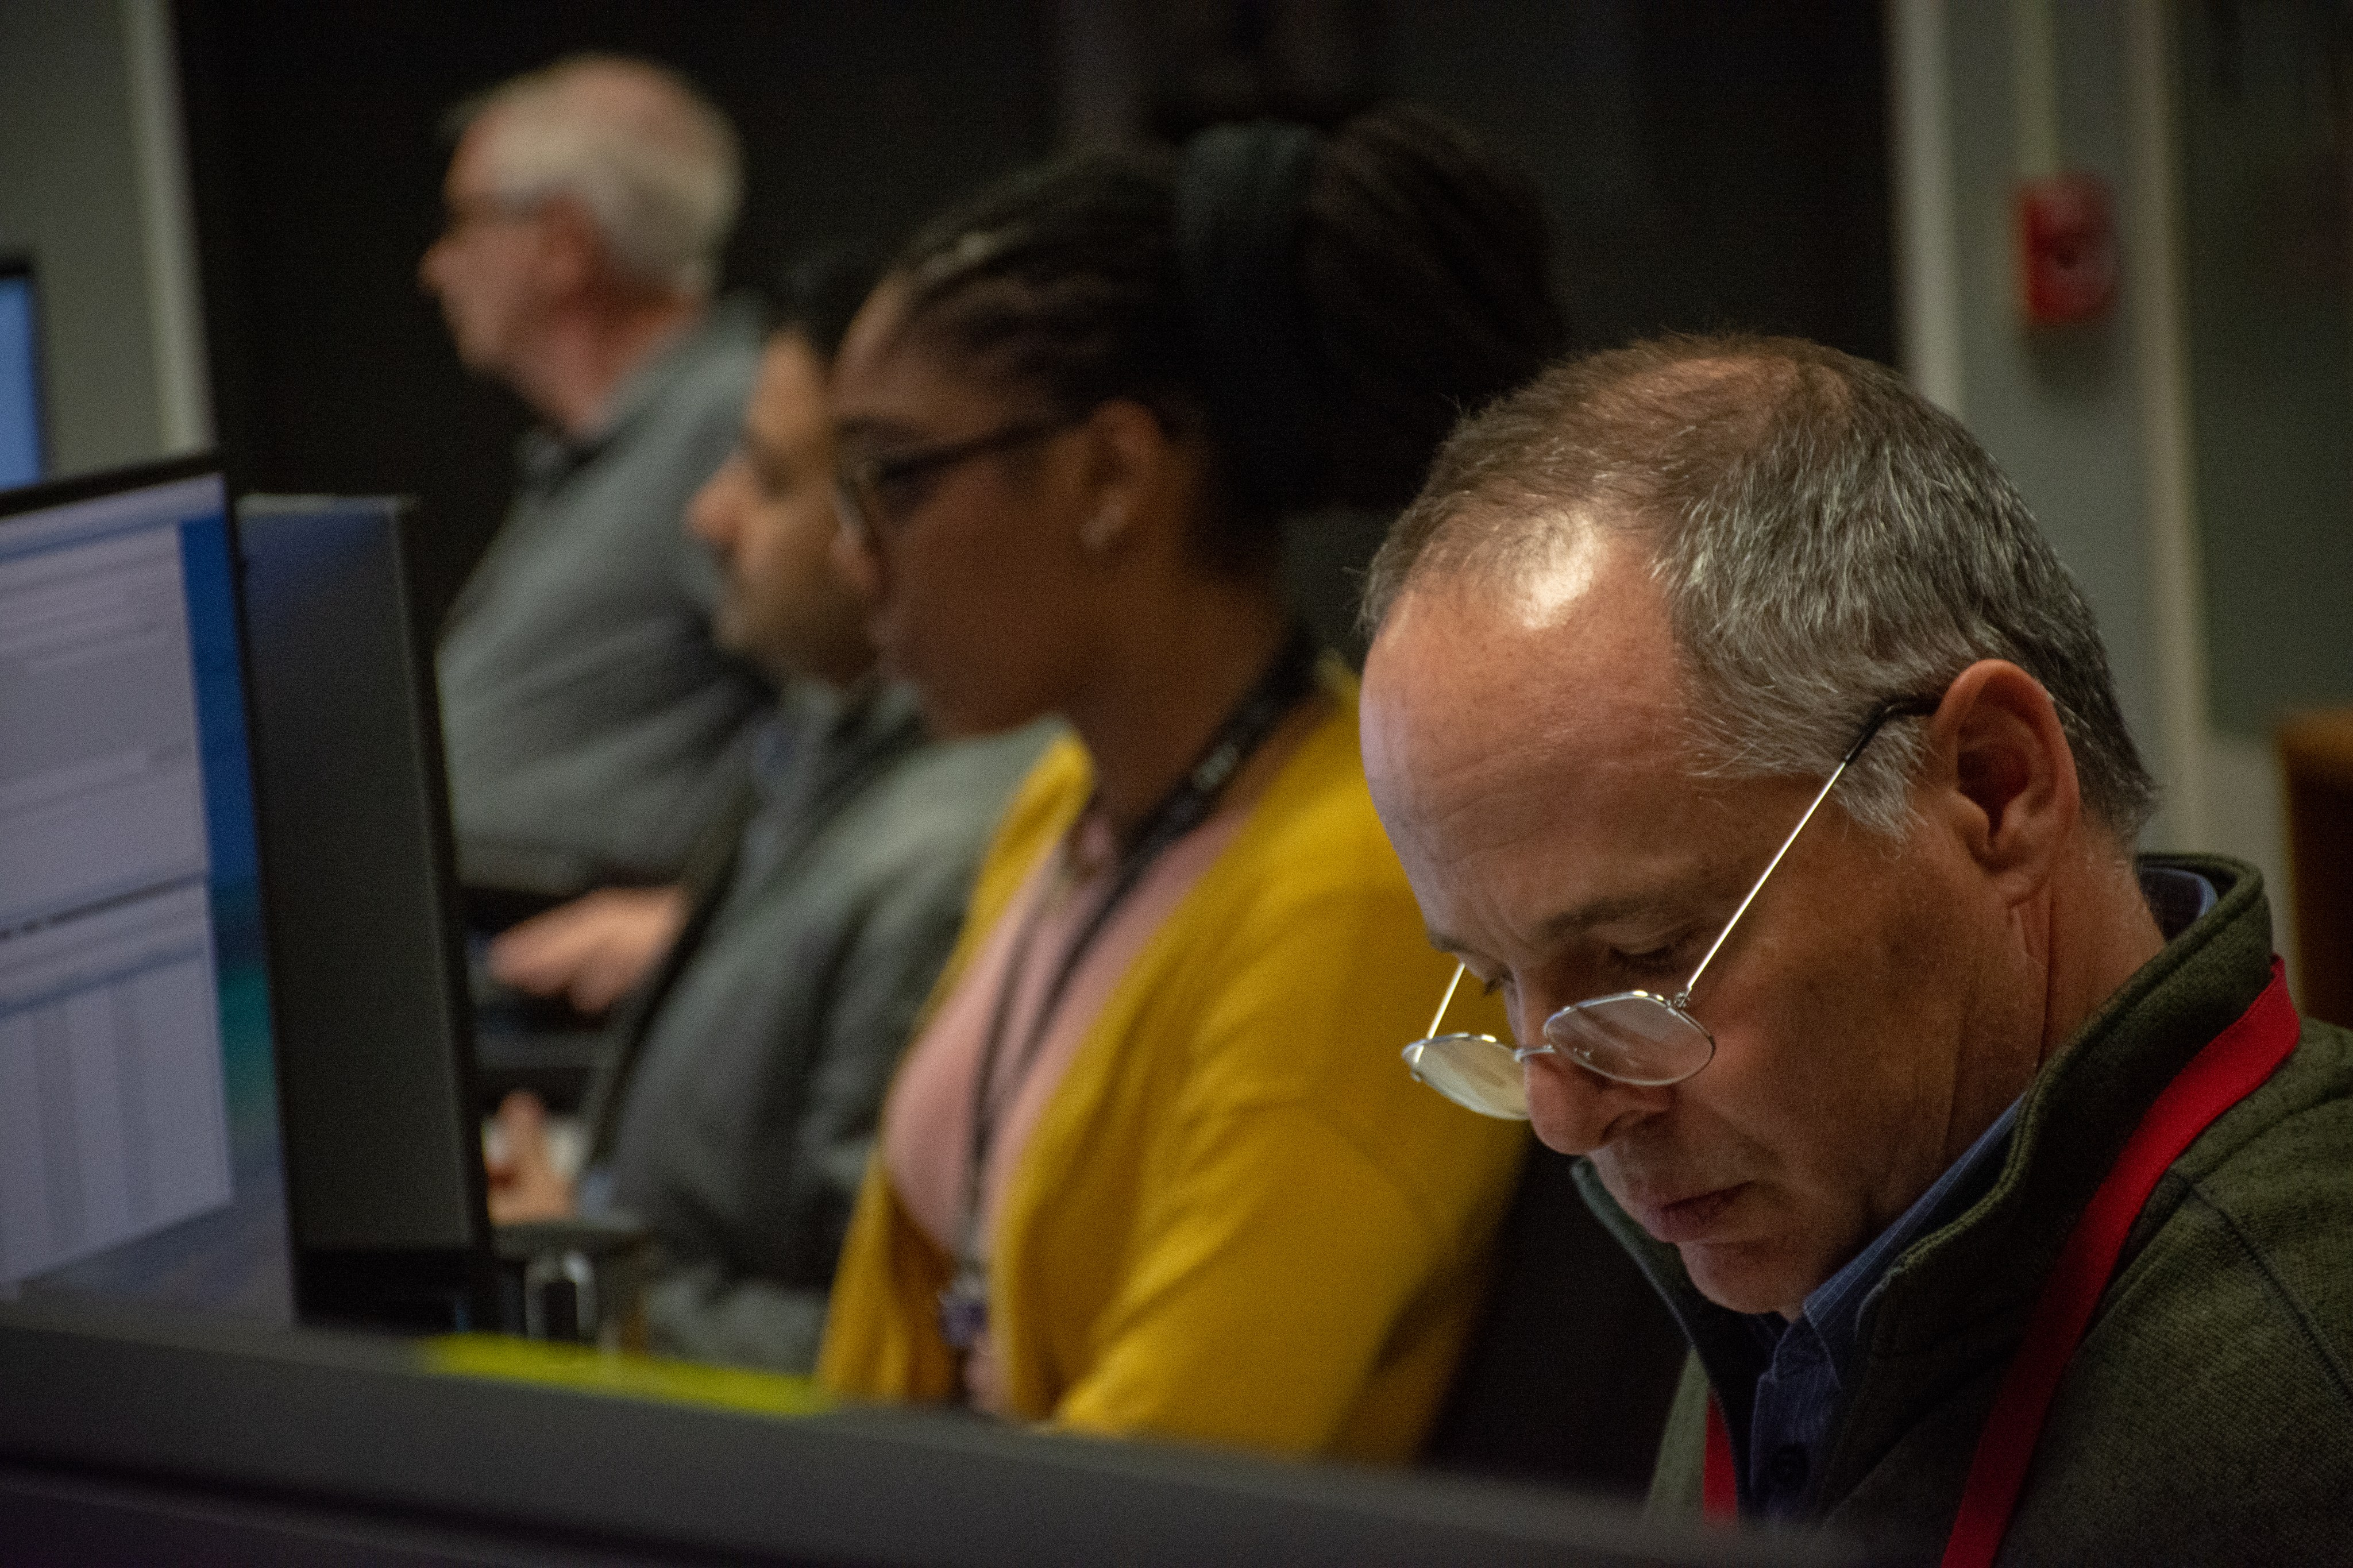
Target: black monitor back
<point x="366" y="946"/>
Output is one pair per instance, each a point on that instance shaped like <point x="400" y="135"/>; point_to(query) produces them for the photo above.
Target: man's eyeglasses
<point x="468" y="212"/>
<point x="1633" y="1036"/>
<point x="875" y="493"/>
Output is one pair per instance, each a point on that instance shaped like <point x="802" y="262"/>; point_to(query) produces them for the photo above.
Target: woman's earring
<point x="1100" y="532"/>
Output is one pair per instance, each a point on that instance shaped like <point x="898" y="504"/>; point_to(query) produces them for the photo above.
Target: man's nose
<point x="708" y="510"/>
<point x="1576" y="1111"/>
<point x="859" y="561"/>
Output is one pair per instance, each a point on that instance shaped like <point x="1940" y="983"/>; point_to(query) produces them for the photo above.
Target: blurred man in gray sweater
<point x="592" y="725"/>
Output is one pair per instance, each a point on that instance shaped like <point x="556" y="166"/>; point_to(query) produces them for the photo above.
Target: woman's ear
<point x="1129" y="466"/>
<point x="1103" y="531"/>
<point x="2004" y="775"/>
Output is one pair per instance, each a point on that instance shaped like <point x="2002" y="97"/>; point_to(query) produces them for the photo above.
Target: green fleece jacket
<point x="2208" y="1414"/>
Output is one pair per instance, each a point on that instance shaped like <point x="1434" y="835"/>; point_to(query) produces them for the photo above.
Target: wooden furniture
<point x="2317" y="762"/>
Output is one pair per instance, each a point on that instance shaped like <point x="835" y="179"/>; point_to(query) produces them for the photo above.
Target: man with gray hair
<point x="592" y="724"/>
<point x="1731" y="714"/>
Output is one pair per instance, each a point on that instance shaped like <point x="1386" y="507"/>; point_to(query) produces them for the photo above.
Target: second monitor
<point x="383" y="1152"/>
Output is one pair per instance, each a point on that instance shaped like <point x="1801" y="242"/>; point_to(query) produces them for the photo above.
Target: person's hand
<point x="593" y="951"/>
<point x="984" y="1384"/>
<point x="523" y="1181"/>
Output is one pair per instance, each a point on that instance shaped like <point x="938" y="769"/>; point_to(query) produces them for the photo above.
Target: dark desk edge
<point x="359" y="1424"/>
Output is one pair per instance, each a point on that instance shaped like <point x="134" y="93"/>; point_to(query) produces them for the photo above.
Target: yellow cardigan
<point x="1239" y="1219"/>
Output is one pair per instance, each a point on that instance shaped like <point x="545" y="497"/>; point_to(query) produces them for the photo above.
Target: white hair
<point x="653" y="162"/>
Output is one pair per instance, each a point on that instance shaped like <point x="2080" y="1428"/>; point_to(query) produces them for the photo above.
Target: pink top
<point x="927" y="1126"/>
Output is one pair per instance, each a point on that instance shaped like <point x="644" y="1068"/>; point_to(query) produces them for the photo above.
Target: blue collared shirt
<point x="1810" y="1358"/>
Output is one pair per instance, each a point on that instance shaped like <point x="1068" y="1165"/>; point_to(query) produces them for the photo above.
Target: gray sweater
<point x="737" y="1117"/>
<point x="590" y="724"/>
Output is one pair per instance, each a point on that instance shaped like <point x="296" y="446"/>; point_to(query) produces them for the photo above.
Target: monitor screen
<point x="23" y="442"/>
<point x="140" y="1151"/>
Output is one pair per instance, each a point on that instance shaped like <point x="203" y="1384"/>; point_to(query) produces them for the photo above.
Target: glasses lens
<point x="1477" y="1072"/>
<point x="1635" y="1037"/>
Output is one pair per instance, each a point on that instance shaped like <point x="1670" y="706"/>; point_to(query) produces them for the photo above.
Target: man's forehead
<point x="1487" y="725"/>
<point x="786" y="424"/>
<point x="1531" y="768"/>
<point x="792" y="379"/>
<point x="469" y="162"/>
<point x="1572" y="648"/>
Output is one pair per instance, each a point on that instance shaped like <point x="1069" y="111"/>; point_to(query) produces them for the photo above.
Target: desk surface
<point x="124" y="1432"/>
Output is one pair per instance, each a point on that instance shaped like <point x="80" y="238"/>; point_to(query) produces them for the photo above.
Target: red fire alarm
<point x="2067" y="249"/>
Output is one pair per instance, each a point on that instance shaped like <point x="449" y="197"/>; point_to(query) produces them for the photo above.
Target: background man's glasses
<point x="1631" y="1036"/>
<point x="473" y="211"/>
<point x="876" y="493"/>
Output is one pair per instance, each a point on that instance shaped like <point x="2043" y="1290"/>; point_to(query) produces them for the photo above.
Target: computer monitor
<point x="23" y="432"/>
<point x="139" y="1149"/>
<point x="366" y="941"/>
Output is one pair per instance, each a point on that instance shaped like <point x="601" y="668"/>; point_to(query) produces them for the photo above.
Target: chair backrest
<point x="2317" y="762"/>
<point x="1571" y="1371"/>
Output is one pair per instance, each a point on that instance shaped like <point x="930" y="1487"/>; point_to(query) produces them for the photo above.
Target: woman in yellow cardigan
<point x="1152" y="1164"/>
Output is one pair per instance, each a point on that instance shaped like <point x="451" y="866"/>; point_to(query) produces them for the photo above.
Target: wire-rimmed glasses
<point x="1632" y="1037"/>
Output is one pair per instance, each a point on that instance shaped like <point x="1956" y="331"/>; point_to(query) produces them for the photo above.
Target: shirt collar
<point x="548" y="456"/>
<point x="736" y="316"/>
<point x="818" y="731"/>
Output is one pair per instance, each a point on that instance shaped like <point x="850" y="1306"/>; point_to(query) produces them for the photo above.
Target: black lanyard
<point x="964" y="1305"/>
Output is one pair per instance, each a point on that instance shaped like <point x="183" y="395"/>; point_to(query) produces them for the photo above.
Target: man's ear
<point x="572" y="249"/>
<point x="2006" y="775"/>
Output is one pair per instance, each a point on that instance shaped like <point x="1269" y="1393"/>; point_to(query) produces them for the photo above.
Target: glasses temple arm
<point x="1758" y="887"/>
<point x="1444" y="1002"/>
<point x="1903" y="707"/>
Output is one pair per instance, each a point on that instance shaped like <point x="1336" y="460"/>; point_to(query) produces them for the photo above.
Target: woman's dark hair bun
<point x="1324" y="305"/>
<point x="1425" y="260"/>
<point x="1240" y="202"/>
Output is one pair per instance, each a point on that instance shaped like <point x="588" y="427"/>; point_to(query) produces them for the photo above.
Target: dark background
<point x="1708" y="163"/>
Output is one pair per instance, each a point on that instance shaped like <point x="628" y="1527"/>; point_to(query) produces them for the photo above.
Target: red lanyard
<point x="2226" y="1071"/>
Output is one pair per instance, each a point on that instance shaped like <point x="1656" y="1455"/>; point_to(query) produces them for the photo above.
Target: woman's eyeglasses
<point x="1631" y="1036"/>
<point x="875" y="493"/>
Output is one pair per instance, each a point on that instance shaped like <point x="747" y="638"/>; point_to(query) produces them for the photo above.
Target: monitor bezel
<point x="21" y="264"/>
<point x="100" y="483"/>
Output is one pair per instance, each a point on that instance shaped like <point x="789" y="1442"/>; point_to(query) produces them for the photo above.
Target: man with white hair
<point x="592" y="725"/>
<point x="1731" y="714"/>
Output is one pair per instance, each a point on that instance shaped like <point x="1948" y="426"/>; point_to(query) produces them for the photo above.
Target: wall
<point x="73" y="168"/>
<point x="2264" y="141"/>
<point x="2194" y="479"/>
<point x="1707" y="165"/>
<point x="2057" y="408"/>
<point x="2268" y="284"/>
<point x="315" y="131"/>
